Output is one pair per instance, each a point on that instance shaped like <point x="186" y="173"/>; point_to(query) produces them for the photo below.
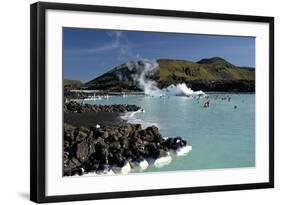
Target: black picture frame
<point x="38" y="101"/>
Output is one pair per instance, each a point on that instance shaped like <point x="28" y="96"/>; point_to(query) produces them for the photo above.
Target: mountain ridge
<point x="206" y="73"/>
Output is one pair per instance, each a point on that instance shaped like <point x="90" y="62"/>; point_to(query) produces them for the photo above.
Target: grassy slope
<point x="171" y="71"/>
<point x="206" y="71"/>
<point x="71" y="83"/>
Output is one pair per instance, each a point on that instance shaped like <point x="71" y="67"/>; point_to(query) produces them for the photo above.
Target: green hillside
<point x="212" y="69"/>
<point x="177" y="71"/>
<point x="72" y="83"/>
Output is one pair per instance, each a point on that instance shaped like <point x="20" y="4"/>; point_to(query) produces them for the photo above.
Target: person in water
<point x="206" y="104"/>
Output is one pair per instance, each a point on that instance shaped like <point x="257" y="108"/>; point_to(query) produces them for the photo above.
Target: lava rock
<point x="99" y="149"/>
<point x="73" y="106"/>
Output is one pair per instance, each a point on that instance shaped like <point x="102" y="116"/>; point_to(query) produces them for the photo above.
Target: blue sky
<point x="89" y="53"/>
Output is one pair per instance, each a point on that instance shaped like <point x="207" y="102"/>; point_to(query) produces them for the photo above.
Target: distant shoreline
<point x="87" y="95"/>
<point x="221" y="92"/>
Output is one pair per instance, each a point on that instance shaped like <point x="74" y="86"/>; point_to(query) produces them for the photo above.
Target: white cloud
<point x="119" y="43"/>
<point x="114" y="44"/>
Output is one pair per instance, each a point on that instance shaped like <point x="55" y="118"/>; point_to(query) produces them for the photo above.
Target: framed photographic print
<point x="129" y="102"/>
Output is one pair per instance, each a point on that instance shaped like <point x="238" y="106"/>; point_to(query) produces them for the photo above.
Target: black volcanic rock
<point x="96" y="154"/>
<point x="73" y="106"/>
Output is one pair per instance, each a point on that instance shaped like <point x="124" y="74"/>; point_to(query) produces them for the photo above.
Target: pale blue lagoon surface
<point x="220" y="136"/>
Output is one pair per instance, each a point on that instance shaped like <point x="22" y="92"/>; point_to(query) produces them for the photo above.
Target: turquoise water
<point x="220" y="136"/>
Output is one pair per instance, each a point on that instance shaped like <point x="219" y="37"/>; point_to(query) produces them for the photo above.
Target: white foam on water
<point x="110" y="172"/>
<point x="92" y="98"/>
<point x="90" y="174"/>
<point x="85" y="91"/>
<point x="105" y="172"/>
<point x="162" y="161"/>
<point x="181" y="151"/>
<point x="139" y="166"/>
<point x="122" y="170"/>
<point x="184" y="150"/>
<point x="143" y="165"/>
<point x="130" y="117"/>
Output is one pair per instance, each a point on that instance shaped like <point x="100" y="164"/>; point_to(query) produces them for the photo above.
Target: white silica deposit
<point x="100" y="173"/>
<point x="184" y="150"/>
<point x="122" y="170"/>
<point x="181" y="151"/>
<point x="162" y="161"/>
<point x="139" y="166"/>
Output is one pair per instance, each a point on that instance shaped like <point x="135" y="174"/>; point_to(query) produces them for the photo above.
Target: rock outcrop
<point x="118" y="149"/>
<point x="73" y="106"/>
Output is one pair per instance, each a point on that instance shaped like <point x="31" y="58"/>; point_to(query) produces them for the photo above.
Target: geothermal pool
<point x="221" y="135"/>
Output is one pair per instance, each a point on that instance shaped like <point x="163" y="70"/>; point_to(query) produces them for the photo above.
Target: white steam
<point x="143" y="71"/>
<point x="181" y="90"/>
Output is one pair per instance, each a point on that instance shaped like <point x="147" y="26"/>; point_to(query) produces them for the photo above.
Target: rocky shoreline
<point x="76" y="107"/>
<point x="230" y="86"/>
<point x="206" y="85"/>
<point x="86" y="93"/>
<point x="88" y="119"/>
<point x="117" y="149"/>
<point x="97" y="140"/>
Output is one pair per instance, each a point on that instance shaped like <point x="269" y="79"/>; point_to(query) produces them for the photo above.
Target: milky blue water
<point x="221" y="136"/>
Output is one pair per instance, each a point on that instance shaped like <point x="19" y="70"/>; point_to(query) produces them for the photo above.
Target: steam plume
<point x="143" y="71"/>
